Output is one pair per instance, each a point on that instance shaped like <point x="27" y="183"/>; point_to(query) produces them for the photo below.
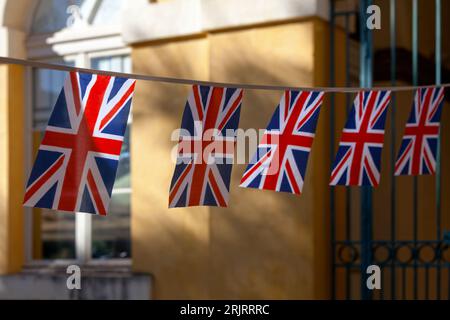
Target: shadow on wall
<point x="261" y="246"/>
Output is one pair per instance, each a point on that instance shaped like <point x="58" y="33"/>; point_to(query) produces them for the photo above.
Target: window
<point x="57" y="36"/>
<point x="55" y="232"/>
<point x="54" y="15"/>
<point x="111" y="237"/>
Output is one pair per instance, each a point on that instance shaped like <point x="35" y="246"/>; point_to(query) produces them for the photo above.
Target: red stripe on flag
<point x="362" y="137"/>
<point x="210" y="121"/>
<point x="438" y="101"/>
<point x="380" y="111"/>
<point x="73" y="141"/>
<point x="230" y="112"/>
<point x="372" y="178"/>
<point x="44" y="178"/>
<point x="177" y="186"/>
<point x="428" y="162"/>
<point x="216" y="189"/>
<point x="307" y="117"/>
<point x="198" y="101"/>
<point x="292" y="178"/>
<point x="287" y="99"/>
<point x="118" y="105"/>
<point x="75" y="91"/>
<point x="402" y="158"/>
<point x="255" y="167"/>
<point x="95" y="193"/>
<point x="341" y="164"/>
<point x="416" y="157"/>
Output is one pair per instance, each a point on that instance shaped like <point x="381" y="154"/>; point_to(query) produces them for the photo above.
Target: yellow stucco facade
<point x="265" y="244"/>
<point x="12" y="236"/>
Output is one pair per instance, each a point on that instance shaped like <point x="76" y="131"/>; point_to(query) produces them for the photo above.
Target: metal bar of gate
<point x="438" y="154"/>
<point x="332" y="103"/>
<point x="348" y="235"/>
<point x="348" y="224"/>
<point x="366" y="192"/>
<point x="393" y="44"/>
<point x="415" y="56"/>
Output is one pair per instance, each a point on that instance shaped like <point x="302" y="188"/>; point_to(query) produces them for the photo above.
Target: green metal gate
<point x="411" y="268"/>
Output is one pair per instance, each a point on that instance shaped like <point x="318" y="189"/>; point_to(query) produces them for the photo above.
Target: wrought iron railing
<point x="413" y="267"/>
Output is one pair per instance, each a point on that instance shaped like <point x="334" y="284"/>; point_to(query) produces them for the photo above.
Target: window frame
<point x="76" y="46"/>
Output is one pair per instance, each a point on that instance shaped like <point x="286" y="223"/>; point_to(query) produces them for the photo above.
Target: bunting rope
<point x="81" y="147"/>
<point x="172" y="80"/>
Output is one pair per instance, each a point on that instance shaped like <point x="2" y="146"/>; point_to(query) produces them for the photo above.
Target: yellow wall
<point x="171" y="245"/>
<point x="265" y="244"/>
<point x="11" y="169"/>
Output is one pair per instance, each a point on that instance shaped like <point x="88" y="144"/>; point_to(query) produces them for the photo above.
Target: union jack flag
<point x="358" y="160"/>
<point x="206" y="147"/>
<point x="78" y="157"/>
<point x="280" y="161"/>
<point x="417" y="153"/>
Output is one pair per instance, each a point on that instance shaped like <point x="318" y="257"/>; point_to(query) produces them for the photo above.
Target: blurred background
<point x="266" y="245"/>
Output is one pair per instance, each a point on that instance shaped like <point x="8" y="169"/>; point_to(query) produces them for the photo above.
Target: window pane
<point x="111" y="234"/>
<point x="51" y="15"/>
<point x="123" y="171"/>
<point x="47" y="85"/>
<point x="114" y="63"/>
<point x="58" y="235"/>
<point x="54" y="232"/>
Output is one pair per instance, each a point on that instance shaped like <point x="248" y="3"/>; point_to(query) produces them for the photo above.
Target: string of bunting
<point x="77" y="160"/>
<point x="135" y="76"/>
